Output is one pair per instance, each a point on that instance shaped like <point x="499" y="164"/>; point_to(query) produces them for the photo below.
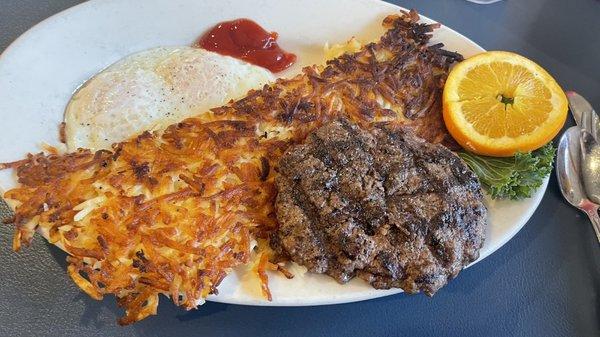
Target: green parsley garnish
<point x="513" y="177"/>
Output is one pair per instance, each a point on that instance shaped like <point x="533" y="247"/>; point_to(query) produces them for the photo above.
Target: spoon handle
<point x="592" y="213"/>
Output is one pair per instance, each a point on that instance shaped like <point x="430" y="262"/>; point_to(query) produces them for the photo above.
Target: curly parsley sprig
<point x="515" y="177"/>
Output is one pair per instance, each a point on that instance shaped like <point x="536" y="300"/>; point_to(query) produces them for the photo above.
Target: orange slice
<point x="497" y="103"/>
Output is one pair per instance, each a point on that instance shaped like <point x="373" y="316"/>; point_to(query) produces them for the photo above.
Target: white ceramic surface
<point x="40" y="71"/>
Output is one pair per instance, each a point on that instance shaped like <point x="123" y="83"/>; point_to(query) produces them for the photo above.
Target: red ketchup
<point x="246" y="40"/>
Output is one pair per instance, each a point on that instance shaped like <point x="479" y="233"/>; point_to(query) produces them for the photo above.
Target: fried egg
<point x="152" y="89"/>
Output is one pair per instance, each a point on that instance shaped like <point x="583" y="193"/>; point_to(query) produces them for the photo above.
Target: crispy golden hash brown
<point x="172" y="212"/>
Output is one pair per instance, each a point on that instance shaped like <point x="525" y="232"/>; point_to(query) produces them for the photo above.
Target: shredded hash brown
<point x="173" y="212"/>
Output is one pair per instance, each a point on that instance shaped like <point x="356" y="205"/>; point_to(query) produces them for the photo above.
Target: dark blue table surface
<point x="544" y="282"/>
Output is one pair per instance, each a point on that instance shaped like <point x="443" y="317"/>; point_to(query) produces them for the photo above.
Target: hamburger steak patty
<point x="383" y="205"/>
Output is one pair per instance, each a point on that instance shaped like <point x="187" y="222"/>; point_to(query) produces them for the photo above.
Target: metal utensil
<point x="577" y="104"/>
<point x="590" y="156"/>
<point x="588" y="120"/>
<point x="567" y="172"/>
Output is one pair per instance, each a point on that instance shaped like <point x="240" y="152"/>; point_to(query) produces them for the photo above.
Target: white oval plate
<point x="40" y="71"/>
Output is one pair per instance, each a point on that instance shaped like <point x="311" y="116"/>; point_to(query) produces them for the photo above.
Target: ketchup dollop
<point x="246" y="40"/>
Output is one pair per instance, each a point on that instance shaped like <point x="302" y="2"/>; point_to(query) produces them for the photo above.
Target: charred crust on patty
<point x="380" y="204"/>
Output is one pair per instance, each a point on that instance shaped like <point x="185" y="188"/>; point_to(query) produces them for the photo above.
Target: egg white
<point x="153" y="89"/>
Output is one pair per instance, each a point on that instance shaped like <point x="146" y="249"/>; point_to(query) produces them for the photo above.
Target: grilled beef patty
<point x="383" y="205"/>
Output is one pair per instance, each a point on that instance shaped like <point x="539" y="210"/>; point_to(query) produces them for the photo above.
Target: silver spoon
<point x="590" y="156"/>
<point x="587" y="119"/>
<point x="567" y="172"/>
